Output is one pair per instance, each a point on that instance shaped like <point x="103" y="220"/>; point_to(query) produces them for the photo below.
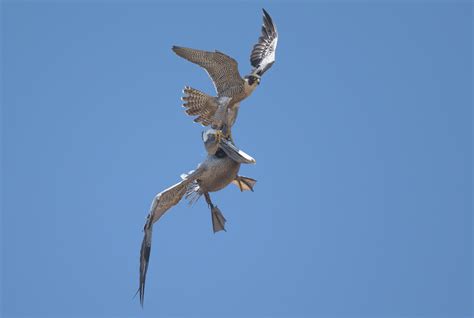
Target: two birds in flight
<point x="223" y="160"/>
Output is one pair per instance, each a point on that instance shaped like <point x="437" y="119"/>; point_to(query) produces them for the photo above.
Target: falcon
<point x="221" y="111"/>
<point x="219" y="169"/>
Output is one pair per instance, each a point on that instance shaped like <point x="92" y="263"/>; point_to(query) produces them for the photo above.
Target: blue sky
<point x="362" y="132"/>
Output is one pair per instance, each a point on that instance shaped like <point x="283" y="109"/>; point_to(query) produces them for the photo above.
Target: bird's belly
<point x="232" y="114"/>
<point x="219" y="174"/>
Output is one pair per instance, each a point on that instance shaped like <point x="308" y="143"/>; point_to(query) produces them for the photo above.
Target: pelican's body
<point x="218" y="172"/>
<point x="220" y="168"/>
<point x="222" y="163"/>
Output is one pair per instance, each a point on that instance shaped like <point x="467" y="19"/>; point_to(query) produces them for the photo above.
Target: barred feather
<point x="222" y="69"/>
<point x="263" y="53"/>
<point x="199" y="104"/>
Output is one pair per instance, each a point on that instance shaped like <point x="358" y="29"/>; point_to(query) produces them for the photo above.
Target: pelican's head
<point x="209" y="135"/>
<point x="210" y="141"/>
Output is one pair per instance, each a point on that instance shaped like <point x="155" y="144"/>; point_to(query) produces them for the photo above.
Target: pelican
<point x="219" y="169"/>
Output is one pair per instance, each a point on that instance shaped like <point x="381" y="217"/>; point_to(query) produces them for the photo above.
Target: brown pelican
<point x="220" y="168"/>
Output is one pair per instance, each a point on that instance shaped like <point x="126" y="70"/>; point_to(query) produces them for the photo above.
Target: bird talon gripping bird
<point x="219" y="169"/>
<point x="223" y="158"/>
<point x="231" y="88"/>
<point x="220" y="135"/>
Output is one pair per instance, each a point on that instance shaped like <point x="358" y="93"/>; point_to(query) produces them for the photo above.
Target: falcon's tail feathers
<point x="199" y="104"/>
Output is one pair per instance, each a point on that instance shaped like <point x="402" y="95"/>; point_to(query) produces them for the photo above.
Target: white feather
<point x="205" y="135"/>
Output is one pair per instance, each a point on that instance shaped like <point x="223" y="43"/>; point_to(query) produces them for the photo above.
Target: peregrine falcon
<point x="221" y="111"/>
<point x="218" y="170"/>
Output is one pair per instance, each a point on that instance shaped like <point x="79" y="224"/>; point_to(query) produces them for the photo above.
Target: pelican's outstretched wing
<point x="222" y="69"/>
<point x="263" y="53"/>
<point x="162" y="202"/>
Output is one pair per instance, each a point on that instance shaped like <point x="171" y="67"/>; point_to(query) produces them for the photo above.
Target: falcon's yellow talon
<point x="219" y="136"/>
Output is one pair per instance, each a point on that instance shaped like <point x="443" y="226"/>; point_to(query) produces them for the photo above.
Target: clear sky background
<point x="361" y="131"/>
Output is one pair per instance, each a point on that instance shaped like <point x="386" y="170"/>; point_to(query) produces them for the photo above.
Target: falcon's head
<point x="252" y="79"/>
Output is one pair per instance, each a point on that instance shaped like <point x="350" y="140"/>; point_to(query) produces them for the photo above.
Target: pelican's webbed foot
<point x="218" y="219"/>
<point x="244" y="183"/>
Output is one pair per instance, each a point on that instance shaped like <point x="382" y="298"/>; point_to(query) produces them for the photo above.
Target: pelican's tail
<point x="193" y="193"/>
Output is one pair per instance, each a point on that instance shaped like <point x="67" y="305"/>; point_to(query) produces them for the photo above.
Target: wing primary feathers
<point x="263" y="52"/>
<point x="221" y="68"/>
<point x="145" y="256"/>
<point x="268" y="20"/>
<point x="162" y="202"/>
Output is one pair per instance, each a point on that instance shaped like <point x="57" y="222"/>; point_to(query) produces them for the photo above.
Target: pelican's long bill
<point x="235" y="153"/>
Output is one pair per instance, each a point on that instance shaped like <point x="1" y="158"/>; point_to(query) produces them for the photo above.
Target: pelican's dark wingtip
<point x="141" y="298"/>
<point x="145" y="257"/>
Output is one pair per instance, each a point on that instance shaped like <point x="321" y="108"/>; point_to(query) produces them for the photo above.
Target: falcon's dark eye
<point x="252" y="79"/>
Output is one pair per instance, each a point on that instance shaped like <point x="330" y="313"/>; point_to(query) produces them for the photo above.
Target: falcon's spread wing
<point x="222" y="69"/>
<point x="263" y="53"/>
<point x="161" y="203"/>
